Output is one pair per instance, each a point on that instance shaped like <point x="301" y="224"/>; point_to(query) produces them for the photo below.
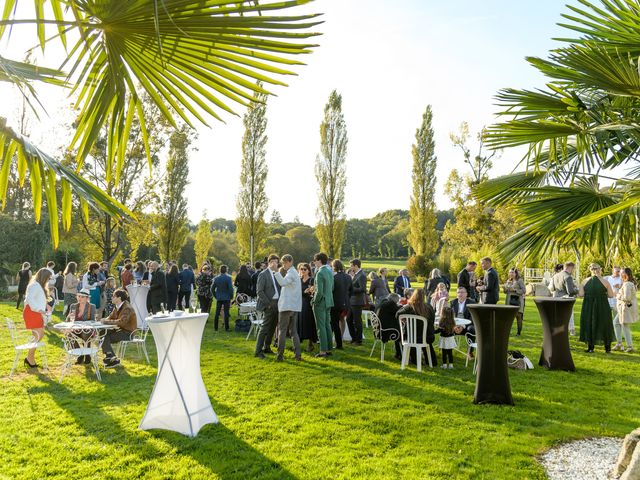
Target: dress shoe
<point x="279" y="358"/>
<point x="630" y="350"/>
<point x="268" y="351"/>
<point x="26" y="362"/>
<point x="260" y="355"/>
<point x="321" y="355"/>
<point x="617" y="347"/>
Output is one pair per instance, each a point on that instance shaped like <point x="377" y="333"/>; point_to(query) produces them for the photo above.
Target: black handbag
<point x="514" y="300"/>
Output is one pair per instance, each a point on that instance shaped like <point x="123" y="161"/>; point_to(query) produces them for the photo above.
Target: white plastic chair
<point x="409" y="339"/>
<point x="471" y="344"/>
<point x="80" y="342"/>
<point x="32" y="341"/>
<point x="138" y="338"/>
<point x="376" y="325"/>
<point x="256" y="319"/>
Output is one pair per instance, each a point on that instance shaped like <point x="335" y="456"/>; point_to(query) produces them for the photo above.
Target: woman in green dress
<point x="595" y="317"/>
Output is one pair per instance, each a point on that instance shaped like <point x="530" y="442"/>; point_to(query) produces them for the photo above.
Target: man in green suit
<point x="322" y="302"/>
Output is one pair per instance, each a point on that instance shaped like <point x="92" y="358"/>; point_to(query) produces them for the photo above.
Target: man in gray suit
<point x="354" y="321"/>
<point x="562" y="285"/>
<point x="268" y="293"/>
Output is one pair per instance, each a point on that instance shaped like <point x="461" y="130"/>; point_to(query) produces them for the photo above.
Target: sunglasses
<point x="304" y="269"/>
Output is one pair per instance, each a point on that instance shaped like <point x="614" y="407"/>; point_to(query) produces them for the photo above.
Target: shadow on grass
<point x="216" y="448"/>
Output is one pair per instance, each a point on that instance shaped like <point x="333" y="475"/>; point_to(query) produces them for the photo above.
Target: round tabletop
<point x="460" y="322"/>
<point x="170" y="317"/>
<point x="83" y="326"/>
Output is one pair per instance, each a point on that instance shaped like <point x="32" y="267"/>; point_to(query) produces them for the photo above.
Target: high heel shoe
<point x="26" y="362"/>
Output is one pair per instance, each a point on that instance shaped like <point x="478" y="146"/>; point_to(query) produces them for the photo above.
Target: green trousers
<point x="323" y="323"/>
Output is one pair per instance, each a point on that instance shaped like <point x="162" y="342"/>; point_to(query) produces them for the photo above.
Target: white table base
<point x="179" y="401"/>
<point x="138" y="300"/>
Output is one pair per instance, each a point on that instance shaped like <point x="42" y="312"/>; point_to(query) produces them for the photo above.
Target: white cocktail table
<point x="138" y="300"/>
<point x="179" y="400"/>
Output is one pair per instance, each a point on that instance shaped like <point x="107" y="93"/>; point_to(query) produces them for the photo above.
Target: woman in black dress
<point x="243" y="282"/>
<point x="172" y="287"/>
<point x="23" y="277"/>
<point x="306" y="321"/>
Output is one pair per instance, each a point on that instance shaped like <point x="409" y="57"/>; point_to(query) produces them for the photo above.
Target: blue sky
<point x="388" y="60"/>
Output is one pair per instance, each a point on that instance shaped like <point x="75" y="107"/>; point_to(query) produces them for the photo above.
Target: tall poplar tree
<point x="252" y="200"/>
<point x="331" y="176"/>
<point x="172" y="222"/>
<point x="423" y="237"/>
<point x="203" y="240"/>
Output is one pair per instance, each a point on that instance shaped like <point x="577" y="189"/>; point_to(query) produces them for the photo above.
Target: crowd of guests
<point x="316" y="302"/>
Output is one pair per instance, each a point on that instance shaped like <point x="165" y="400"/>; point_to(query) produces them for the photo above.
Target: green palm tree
<point x="192" y="57"/>
<point x="581" y="132"/>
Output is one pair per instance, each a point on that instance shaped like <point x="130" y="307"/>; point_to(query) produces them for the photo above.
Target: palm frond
<point x="192" y="57"/>
<point x="45" y="174"/>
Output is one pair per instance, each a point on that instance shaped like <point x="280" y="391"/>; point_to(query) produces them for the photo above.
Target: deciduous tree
<point x="423" y="237"/>
<point x="331" y="176"/>
<point x="252" y="201"/>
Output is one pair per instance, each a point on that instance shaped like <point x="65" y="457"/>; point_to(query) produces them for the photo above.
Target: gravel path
<point x="589" y="459"/>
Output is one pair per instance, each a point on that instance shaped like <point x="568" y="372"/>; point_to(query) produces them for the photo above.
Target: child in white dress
<point x="447" y="336"/>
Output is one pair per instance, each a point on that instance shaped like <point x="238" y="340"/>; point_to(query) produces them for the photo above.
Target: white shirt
<point x="614" y="282"/>
<point x="461" y="307"/>
<point x="36" y="298"/>
<point x="291" y="294"/>
<point x="52" y="280"/>
<point x="275" y="287"/>
<point x="406" y="281"/>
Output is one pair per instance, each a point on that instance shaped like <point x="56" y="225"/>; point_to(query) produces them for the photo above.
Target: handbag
<point x="514" y="300"/>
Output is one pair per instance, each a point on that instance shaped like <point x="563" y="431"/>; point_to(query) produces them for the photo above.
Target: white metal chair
<point x="376" y="325"/>
<point x="138" y="338"/>
<point x="80" y="342"/>
<point x="242" y="298"/>
<point x="256" y="319"/>
<point x="366" y="316"/>
<point x="471" y="344"/>
<point x="31" y="341"/>
<point x="409" y="339"/>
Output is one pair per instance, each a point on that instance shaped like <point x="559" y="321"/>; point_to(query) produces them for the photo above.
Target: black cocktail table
<point x="493" y="324"/>
<point x="555" y="314"/>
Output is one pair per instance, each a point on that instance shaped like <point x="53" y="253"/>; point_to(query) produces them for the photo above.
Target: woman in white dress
<point x="627" y="310"/>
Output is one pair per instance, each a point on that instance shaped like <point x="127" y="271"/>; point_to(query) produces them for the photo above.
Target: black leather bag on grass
<point x="243" y="325"/>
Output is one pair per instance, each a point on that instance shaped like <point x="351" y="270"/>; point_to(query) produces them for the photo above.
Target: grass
<point x="389" y="264"/>
<point x="349" y="417"/>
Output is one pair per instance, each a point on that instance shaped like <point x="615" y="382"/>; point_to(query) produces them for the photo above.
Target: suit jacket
<point x="398" y="285"/>
<point x="222" y="288"/>
<point x="562" y="284"/>
<point x="466" y="313"/>
<point x="464" y="280"/>
<point x="158" y="288"/>
<point x="387" y="314"/>
<point x="124" y="317"/>
<point x="491" y="293"/>
<point x="359" y="289"/>
<point x="186" y="278"/>
<point x="342" y="290"/>
<point x="265" y="289"/>
<point x="379" y="289"/>
<point x="323" y="283"/>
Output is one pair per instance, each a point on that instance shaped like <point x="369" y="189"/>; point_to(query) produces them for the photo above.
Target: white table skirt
<point x="138" y="300"/>
<point x="179" y="401"/>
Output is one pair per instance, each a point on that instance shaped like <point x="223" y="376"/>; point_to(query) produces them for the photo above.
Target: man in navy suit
<point x="222" y="290"/>
<point x="401" y="282"/>
<point x="186" y="279"/>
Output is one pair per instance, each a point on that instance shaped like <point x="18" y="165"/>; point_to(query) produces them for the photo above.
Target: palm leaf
<point x="45" y="173"/>
<point x="187" y="55"/>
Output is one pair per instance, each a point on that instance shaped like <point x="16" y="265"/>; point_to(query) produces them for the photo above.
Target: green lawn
<point x="390" y="264"/>
<point x="349" y="417"/>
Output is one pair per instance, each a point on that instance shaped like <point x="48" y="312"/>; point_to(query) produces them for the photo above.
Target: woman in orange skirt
<point x="35" y="307"/>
